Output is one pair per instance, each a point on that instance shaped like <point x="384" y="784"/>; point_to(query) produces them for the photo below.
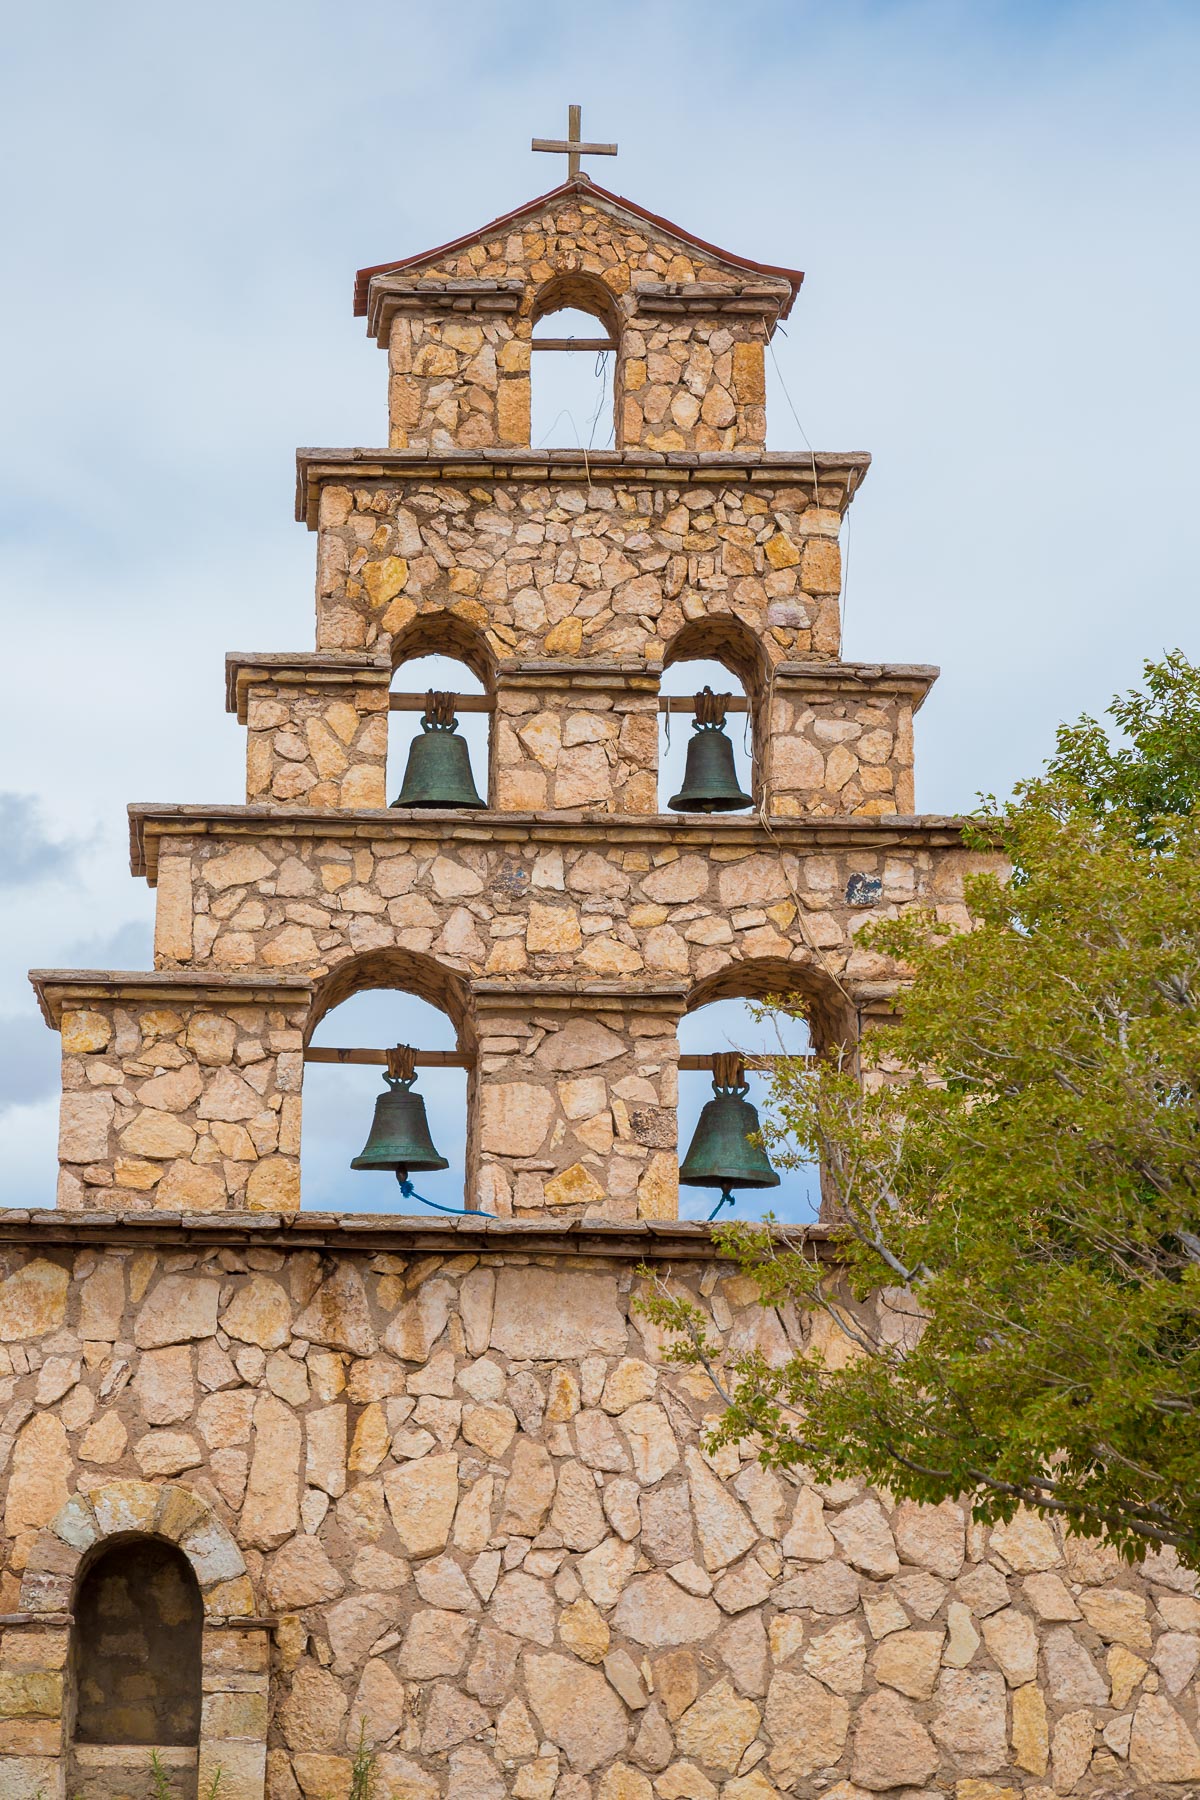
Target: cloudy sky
<point x="995" y="207"/>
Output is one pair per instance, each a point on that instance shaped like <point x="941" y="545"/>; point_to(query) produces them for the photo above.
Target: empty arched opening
<point x="371" y="1003"/>
<point x="576" y="328"/>
<point x="456" y="666"/>
<point x="722" y="1015"/>
<point x="135" y="1658"/>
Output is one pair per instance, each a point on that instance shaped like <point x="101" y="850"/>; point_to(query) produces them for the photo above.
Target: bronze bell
<point x="710" y="781"/>
<point x="399" y="1138"/>
<point x="438" y="772"/>
<point x="721" y="1154"/>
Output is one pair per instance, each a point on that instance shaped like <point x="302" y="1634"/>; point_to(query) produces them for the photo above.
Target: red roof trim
<point x="582" y="187"/>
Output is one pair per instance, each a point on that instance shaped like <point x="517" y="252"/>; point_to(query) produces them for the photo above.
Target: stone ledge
<point x="316" y="466"/>
<point x="912" y="679"/>
<point x="60" y="988"/>
<point x="624" y="1241"/>
<point x="149" y="822"/>
<point x="317" y="668"/>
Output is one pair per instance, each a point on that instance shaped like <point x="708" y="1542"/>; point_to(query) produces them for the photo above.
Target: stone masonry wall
<point x="579" y="739"/>
<point x="457" y="383"/>
<point x="833" y="754"/>
<point x="479" y="1505"/>
<point x="484" y="906"/>
<point x="611" y="571"/>
<point x="690" y="334"/>
<point x="575" y="1112"/>
<point x="187" y="1107"/>
<point x="317" y="746"/>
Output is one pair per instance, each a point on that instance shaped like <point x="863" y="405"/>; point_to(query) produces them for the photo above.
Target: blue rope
<point x="462" y="1212"/>
<point x="725" y="1200"/>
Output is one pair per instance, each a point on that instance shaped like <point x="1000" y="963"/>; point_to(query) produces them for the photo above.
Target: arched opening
<point x="448" y="671"/>
<point x="721" y="1016"/>
<point x="576" y="329"/>
<point x="719" y="652"/>
<point x="135" y="1668"/>
<point x="369" y="1004"/>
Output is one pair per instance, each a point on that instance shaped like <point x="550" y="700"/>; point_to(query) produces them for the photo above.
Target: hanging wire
<point x="850" y="485"/>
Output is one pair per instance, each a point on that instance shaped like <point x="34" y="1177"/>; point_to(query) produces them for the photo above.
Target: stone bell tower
<point x="568" y="926"/>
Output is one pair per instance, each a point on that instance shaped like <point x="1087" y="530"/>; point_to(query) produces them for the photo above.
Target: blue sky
<point x="995" y="208"/>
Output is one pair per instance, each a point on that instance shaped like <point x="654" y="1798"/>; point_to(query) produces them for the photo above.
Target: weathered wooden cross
<point x="571" y="146"/>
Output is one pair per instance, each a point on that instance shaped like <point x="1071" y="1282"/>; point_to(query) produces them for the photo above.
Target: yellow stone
<point x="576" y="1186"/>
<point x="1030" y="1732"/>
<point x="512" y="410"/>
<point x="781" y="552"/>
<point x="749" y="374"/>
<point x="821" y="566"/>
<point x="583" y="1631"/>
<point x="274" y="1185"/>
<point x="399" y="614"/>
<point x="33" y="1301"/>
<point x="565" y="638"/>
<point x="84" y="1032"/>
<point x="385" y="579"/>
<point x="553" y="928"/>
<point x="635" y="374"/>
<point x="658" y="1190"/>
<point x="513" y="358"/>
<point x="1125" y="1670"/>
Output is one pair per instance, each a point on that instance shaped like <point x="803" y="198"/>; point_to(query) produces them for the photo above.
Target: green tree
<point x="1028" y="1203"/>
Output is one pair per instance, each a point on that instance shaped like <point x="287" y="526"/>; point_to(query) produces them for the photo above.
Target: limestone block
<point x="177" y="1309"/>
<point x="576" y="1709"/>
<point x="891" y="1747"/>
<point x="543" y="1313"/>
<point x="421" y="1500"/>
<point x="271" y="1512"/>
<point x="33" y="1300"/>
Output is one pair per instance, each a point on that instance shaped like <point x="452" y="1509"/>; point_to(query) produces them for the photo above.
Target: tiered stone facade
<point x="428" y="1486"/>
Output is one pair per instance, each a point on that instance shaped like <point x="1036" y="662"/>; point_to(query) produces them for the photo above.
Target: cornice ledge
<point x="316" y="465"/>
<point x="149" y="821"/>
<point x="630" y="1241"/>
<point x="242" y="667"/>
<point x="56" y="988"/>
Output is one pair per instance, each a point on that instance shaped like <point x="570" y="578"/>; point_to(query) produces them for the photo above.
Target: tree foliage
<point x="1015" y="1270"/>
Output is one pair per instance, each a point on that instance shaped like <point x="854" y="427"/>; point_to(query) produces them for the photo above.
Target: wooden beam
<point x="485" y="703"/>
<point x="766" y="1061"/>
<point x="424" y="1059"/>
<point x="685" y="703"/>
<point x="569" y="343"/>
<point x="463" y="703"/>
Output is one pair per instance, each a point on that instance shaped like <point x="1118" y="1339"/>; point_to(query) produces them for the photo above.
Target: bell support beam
<point x="485" y="703"/>
<point x="459" y="1059"/>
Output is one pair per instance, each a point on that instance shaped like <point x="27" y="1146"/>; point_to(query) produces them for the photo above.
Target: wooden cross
<point x="571" y="147"/>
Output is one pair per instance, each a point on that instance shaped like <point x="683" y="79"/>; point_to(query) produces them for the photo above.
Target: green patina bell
<point x="710" y="782"/>
<point x="721" y="1154"/>
<point x="399" y="1139"/>
<point x="439" y="763"/>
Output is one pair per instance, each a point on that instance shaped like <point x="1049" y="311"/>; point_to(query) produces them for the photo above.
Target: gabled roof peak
<point x="582" y="187"/>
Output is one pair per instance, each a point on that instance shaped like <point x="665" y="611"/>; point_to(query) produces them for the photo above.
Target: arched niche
<point x="720" y="652"/>
<point x="136" y="1645"/>
<point x="813" y="1018"/>
<point x="442" y="651"/>
<point x="573" y="392"/>
<point x="372" y="1002"/>
<point x="121" y="1535"/>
